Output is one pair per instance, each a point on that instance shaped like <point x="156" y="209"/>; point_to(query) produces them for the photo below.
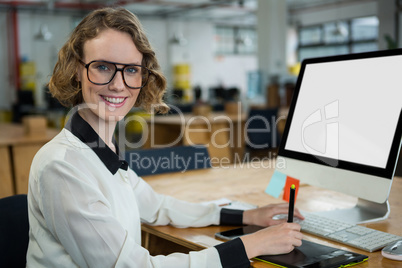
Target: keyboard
<point x="353" y="235"/>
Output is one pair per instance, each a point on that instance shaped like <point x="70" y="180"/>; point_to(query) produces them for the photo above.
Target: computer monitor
<point x="343" y="130"/>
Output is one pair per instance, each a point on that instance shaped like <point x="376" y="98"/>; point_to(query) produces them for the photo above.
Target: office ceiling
<point x="218" y="11"/>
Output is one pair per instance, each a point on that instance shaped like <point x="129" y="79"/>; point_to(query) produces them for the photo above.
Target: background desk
<point x="16" y="153"/>
<point x="247" y="183"/>
<point x="222" y="133"/>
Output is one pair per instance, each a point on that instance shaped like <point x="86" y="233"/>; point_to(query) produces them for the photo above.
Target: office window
<point x="336" y="32"/>
<point x="322" y="51"/>
<point x="340" y="37"/>
<point x="235" y="40"/>
<point x="310" y="35"/>
<point x="246" y="41"/>
<point x="224" y="40"/>
<point x="364" y="28"/>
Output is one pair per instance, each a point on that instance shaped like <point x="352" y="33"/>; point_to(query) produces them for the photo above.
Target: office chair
<point x="24" y="106"/>
<point x="262" y="135"/>
<point x="164" y="160"/>
<point x="218" y="107"/>
<point x="232" y="94"/>
<point x="14" y="229"/>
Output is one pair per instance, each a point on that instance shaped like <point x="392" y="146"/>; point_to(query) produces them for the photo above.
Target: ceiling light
<point x="44" y="34"/>
<point x="178" y="39"/>
<point x="340" y="30"/>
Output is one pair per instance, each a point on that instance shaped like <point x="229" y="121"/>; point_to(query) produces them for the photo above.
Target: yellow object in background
<point x="28" y="74"/>
<point x="181" y="75"/>
<point x="294" y="69"/>
<point x="135" y="121"/>
<point x="5" y="116"/>
<point x="182" y="80"/>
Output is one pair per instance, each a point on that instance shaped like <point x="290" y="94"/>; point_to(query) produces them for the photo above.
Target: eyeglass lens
<point x="100" y="72"/>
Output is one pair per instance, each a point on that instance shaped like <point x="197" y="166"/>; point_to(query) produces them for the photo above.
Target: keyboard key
<point x="353" y="235"/>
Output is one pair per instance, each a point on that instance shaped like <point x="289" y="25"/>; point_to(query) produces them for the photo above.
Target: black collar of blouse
<point x="82" y="130"/>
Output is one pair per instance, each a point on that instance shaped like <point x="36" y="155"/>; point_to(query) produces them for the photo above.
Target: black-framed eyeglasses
<point x="101" y="72"/>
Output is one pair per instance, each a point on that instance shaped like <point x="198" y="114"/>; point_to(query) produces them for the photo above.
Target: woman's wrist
<point x="248" y="217"/>
<point x="251" y="245"/>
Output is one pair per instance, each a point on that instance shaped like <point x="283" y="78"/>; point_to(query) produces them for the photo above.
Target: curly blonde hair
<point x="64" y="85"/>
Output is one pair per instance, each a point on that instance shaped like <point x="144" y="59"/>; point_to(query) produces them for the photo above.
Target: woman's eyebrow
<point x="131" y="63"/>
<point x="119" y="63"/>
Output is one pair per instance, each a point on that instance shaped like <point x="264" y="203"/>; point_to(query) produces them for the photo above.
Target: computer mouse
<point x="393" y="251"/>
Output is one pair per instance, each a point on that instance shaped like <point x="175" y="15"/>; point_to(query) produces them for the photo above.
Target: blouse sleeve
<point x="158" y="209"/>
<point x="78" y="216"/>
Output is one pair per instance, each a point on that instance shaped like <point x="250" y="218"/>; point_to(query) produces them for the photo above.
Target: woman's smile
<point x="113" y="100"/>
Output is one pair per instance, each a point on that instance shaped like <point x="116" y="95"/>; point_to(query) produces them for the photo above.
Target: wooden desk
<point x="222" y="133"/>
<point x="247" y="184"/>
<point x="16" y="153"/>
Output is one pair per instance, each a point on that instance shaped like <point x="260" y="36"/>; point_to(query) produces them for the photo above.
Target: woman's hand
<point x="263" y="216"/>
<point x="278" y="239"/>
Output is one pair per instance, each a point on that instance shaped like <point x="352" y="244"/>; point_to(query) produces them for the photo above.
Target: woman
<point x="85" y="204"/>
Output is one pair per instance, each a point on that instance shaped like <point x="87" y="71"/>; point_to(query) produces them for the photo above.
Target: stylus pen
<point x="291" y="202"/>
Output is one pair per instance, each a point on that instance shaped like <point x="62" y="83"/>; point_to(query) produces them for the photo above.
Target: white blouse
<point x="82" y="215"/>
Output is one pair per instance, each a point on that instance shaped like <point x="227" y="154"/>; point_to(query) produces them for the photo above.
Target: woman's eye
<point x="103" y="68"/>
<point x="132" y="70"/>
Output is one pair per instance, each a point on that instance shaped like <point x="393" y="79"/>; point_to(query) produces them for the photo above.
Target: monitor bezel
<point x="386" y="172"/>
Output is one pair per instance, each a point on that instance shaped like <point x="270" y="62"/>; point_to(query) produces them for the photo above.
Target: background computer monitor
<point x="344" y="127"/>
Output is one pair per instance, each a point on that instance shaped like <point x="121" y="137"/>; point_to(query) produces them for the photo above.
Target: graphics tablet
<point x="308" y="255"/>
<point x="313" y="255"/>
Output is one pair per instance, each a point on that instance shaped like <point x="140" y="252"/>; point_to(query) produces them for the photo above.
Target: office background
<point x="212" y="52"/>
<point x="250" y="47"/>
<point x="223" y="43"/>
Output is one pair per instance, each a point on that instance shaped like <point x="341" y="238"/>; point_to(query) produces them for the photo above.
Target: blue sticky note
<point x="276" y="184"/>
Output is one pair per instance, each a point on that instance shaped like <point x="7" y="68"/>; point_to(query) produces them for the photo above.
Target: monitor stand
<point x="364" y="211"/>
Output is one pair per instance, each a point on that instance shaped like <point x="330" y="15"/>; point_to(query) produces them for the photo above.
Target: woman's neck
<point x="105" y="129"/>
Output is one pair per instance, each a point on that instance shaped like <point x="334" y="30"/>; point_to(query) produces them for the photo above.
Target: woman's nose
<point x="117" y="82"/>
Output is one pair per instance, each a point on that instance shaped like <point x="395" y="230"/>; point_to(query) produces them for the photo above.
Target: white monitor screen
<point x="346" y="110"/>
